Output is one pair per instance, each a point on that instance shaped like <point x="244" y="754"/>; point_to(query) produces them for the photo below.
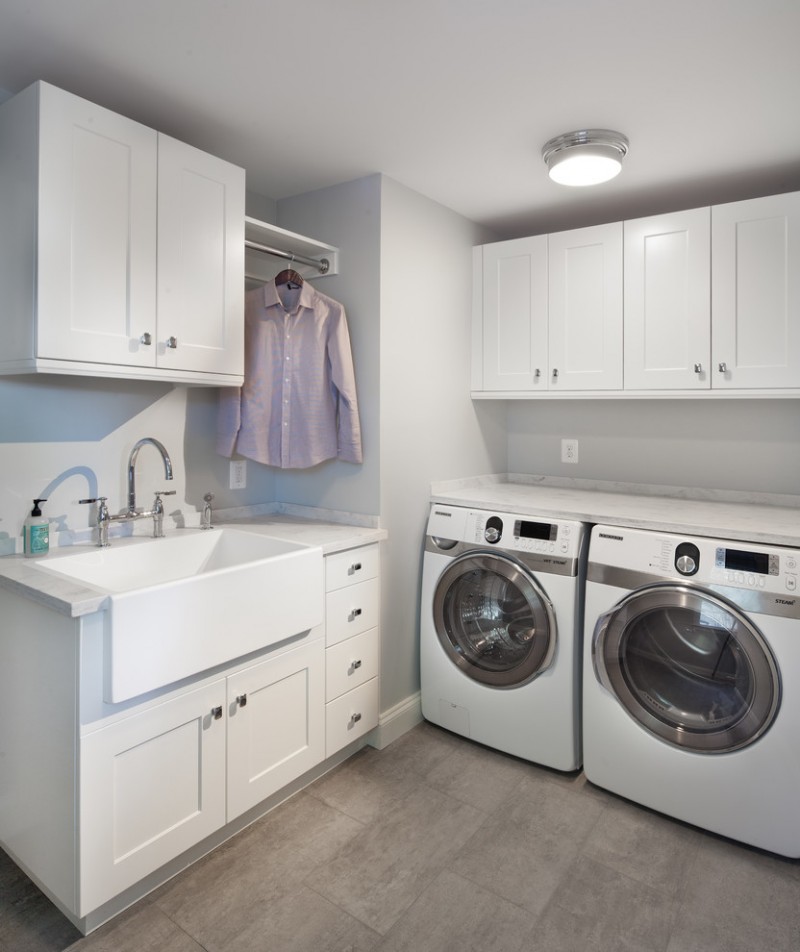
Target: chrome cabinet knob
<point x="216" y="713"/>
<point x="723" y="367"/>
<point x="555" y="373"/>
<point x="172" y="342"/>
<point x="146" y="339"/>
<point x="241" y="700"/>
<point x="698" y="368"/>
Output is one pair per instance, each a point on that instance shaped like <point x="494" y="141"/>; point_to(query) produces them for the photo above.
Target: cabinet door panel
<point x="200" y="260"/>
<point x="756" y="293"/>
<point x="586" y="308"/>
<point x="97" y="224"/>
<point x="668" y="301"/>
<point x="515" y="315"/>
<point x="279" y="732"/>
<point x="152" y="785"/>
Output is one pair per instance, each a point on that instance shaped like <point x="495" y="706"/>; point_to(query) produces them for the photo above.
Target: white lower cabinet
<point x="151" y="786"/>
<point x="158" y="782"/>
<point x="352" y="637"/>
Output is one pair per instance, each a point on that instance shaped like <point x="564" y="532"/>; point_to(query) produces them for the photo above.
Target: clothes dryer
<point x="691" y="687"/>
<point x="500" y="632"/>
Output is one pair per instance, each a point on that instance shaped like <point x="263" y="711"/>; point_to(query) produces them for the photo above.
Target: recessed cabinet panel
<point x="667" y="301"/>
<point x="201" y="260"/>
<point x="276" y="724"/>
<point x="586" y="308"/>
<point x="96" y="268"/>
<point x="515" y="314"/>
<point x="756" y="293"/>
<point x="152" y="785"/>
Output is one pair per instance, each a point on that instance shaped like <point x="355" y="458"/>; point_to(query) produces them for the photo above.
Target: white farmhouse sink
<point x="180" y="605"/>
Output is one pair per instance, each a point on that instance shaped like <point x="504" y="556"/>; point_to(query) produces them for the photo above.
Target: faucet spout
<point x="132" y="468"/>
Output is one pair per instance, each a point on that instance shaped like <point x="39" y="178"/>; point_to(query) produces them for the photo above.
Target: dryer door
<point x="688" y="666"/>
<point x="494" y="620"/>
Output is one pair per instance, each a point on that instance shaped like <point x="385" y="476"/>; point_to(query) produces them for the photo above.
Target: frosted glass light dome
<point x="585" y="157"/>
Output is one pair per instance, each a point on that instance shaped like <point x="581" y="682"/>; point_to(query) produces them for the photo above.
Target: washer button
<point x="791" y="583"/>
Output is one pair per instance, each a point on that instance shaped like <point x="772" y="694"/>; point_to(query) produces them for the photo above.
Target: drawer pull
<point x="355" y="567"/>
<point x="241" y="700"/>
<point x="354" y="614"/>
<point x="216" y="713"/>
<point x="356" y="665"/>
<point x="356" y="718"/>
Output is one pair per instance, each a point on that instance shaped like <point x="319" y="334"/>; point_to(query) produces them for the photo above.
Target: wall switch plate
<point x="569" y="451"/>
<point x="238" y="474"/>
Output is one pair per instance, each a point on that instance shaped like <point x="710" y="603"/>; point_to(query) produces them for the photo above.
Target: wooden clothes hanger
<point x="289" y="277"/>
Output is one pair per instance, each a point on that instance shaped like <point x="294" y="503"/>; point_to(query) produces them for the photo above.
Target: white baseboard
<point x="396" y="721"/>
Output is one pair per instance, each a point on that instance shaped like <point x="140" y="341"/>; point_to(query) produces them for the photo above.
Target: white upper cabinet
<point x="122" y="249"/>
<point x="548" y="312"/>
<point x="668" y="301"/>
<point x="585" y="320"/>
<point x="755" y="267"/>
<point x="511" y="315"/>
<point x="709" y="303"/>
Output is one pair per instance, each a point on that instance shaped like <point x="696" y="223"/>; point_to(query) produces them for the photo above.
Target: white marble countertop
<point x="748" y="517"/>
<point x="67" y="597"/>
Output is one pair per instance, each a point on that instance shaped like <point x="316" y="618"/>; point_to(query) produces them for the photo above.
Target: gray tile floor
<point x="435" y="844"/>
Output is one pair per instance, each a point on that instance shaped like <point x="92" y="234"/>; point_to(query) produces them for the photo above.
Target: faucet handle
<point x="165" y="492"/>
<point x="83" y="502"/>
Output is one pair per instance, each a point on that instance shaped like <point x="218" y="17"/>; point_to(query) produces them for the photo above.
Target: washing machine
<point x="691" y="686"/>
<point x="500" y="633"/>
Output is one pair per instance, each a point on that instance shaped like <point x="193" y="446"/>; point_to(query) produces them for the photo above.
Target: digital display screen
<point x="535" y="530"/>
<point x="742" y="561"/>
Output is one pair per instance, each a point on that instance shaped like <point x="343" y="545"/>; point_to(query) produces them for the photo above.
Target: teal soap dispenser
<point x="36" y="533"/>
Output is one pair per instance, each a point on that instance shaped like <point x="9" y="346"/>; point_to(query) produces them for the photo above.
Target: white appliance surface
<point x="750" y="794"/>
<point x="539" y="720"/>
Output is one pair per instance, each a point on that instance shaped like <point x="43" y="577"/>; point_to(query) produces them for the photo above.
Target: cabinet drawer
<point x="351" y="716"/>
<point x="351" y="663"/>
<point x="351" y="610"/>
<point x="351" y="567"/>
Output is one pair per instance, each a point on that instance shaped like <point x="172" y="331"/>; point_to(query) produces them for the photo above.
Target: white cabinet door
<point x="514" y="315"/>
<point x="667" y="301"/>
<point x="276" y="724"/>
<point x="585" y="269"/>
<point x="151" y="785"/>
<point x="95" y="276"/>
<point x="755" y="263"/>
<point x="200" y="260"/>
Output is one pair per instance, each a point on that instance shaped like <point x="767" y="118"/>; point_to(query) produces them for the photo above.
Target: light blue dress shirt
<point x="298" y="404"/>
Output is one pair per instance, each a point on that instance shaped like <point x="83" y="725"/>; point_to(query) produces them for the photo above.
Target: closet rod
<point x="322" y="265"/>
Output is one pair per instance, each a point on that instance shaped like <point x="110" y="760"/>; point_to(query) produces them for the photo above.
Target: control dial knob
<point x="687" y="558"/>
<point x="494" y="529"/>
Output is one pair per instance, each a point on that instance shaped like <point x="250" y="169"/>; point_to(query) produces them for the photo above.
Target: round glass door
<point x="493" y="620"/>
<point x="689" y="667"/>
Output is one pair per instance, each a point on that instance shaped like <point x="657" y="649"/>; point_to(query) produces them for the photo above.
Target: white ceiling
<point x="452" y="98"/>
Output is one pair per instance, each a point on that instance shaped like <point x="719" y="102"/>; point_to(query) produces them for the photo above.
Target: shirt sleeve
<point x="344" y="380"/>
<point x="229" y="419"/>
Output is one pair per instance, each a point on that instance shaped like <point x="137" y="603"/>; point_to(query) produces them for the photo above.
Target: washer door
<point x="688" y="666"/>
<point x="493" y="619"/>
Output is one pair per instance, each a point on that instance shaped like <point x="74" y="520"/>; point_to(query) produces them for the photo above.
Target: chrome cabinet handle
<point x="537" y="373"/>
<point x="216" y="713"/>
<point x="172" y="342"/>
<point x="355" y="665"/>
<point x="555" y="373"/>
<point x="698" y="368"/>
<point x="356" y="718"/>
<point x="723" y="367"/>
<point x="146" y="339"/>
<point x="355" y="567"/>
<point x="241" y="700"/>
<point x="354" y="614"/>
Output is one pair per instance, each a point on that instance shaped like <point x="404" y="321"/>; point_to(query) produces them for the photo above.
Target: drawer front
<point x="351" y="663"/>
<point x="352" y="566"/>
<point x="351" y="716"/>
<point x="349" y="611"/>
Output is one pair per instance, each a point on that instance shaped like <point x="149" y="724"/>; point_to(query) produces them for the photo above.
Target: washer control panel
<point x="527" y="534"/>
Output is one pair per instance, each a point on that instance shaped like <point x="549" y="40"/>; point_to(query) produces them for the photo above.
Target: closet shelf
<point x="307" y="255"/>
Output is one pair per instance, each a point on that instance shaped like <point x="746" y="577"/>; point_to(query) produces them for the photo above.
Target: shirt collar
<point x="306" y="299"/>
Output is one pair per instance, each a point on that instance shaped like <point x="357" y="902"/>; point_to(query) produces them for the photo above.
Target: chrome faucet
<point x="104" y="518"/>
<point x="132" y="511"/>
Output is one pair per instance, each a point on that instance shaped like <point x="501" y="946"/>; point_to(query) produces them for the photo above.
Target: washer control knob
<point x="687" y="558"/>
<point x="491" y="534"/>
<point x="494" y="529"/>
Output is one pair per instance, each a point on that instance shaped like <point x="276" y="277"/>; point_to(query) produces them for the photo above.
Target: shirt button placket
<point x="286" y="394"/>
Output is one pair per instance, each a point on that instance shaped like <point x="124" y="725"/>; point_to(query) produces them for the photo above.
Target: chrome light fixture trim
<point x="585" y="157"/>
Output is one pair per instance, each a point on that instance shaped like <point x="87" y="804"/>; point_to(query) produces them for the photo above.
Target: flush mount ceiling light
<point x="585" y="157"/>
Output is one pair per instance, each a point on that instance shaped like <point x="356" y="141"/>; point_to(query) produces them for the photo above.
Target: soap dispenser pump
<point x="36" y="532"/>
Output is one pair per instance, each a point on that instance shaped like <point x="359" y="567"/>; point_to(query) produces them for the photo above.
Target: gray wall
<point x="747" y="445"/>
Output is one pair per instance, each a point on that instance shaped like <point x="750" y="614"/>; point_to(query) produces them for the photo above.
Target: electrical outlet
<point x="569" y="451"/>
<point x="238" y="474"/>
